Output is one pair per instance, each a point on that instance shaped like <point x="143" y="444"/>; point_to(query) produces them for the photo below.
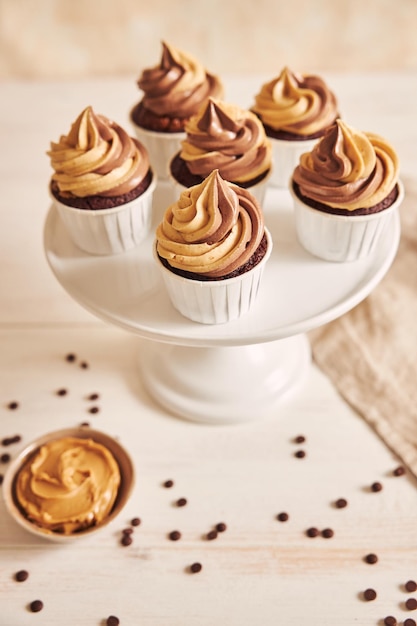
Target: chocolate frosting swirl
<point x="213" y="229"/>
<point x="296" y="103"/>
<point x="348" y="169"/>
<point x="97" y="158"/>
<point x="224" y="137"/>
<point x="178" y="85"/>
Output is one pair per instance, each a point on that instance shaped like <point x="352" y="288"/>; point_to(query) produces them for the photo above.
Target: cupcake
<point x="229" y="139"/>
<point x="212" y="247"/>
<point x="296" y="110"/>
<point x="172" y="92"/>
<point x="345" y="192"/>
<point x="102" y="185"/>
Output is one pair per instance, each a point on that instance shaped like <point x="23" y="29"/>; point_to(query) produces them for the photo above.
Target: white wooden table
<point x="260" y="571"/>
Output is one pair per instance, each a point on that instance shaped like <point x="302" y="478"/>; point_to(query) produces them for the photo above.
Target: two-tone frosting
<point x="227" y="138"/>
<point x="212" y="230"/>
<point x="348" y="169"/>
<point x="296" y="103"/>
<point x="178" y="85"/>
<point x="97" y="158"/>
<point x="69" y="485"/>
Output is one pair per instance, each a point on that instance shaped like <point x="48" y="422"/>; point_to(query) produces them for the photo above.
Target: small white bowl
<point x="119" y="453"/>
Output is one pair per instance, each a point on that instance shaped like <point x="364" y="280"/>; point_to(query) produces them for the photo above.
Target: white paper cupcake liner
<point x="109" y="231"/>
<point x="161" y="148"/>
<point x="218" y="301"/>
<point x="285" y="158"/>
<point x="341" y="238"/>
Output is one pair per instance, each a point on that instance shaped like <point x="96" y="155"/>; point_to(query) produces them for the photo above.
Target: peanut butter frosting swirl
<point x="296" y="103"/>
<point x="178" y="85"/>
<point x="97" y="158"/>
<point x="224" y="137"/>
<point x="69" y="485"/>
<point x="348" y="169"/>
<point x="213" y="229"/>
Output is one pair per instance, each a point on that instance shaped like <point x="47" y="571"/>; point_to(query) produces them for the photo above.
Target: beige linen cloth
<point x="370" y="353"/>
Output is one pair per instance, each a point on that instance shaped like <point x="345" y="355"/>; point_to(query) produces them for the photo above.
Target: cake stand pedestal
<point x="232" y="372"/>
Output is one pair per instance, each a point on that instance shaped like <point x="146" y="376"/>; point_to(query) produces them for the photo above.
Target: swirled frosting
<point x="178" y="85"/>
<point x="224" y="137"/>
<point x="296" y="103"/>
<point x="348" y="169"/>
<point x="97" y="158"/>
<point x="213" y="229"/>
<point x="69" y="485"/>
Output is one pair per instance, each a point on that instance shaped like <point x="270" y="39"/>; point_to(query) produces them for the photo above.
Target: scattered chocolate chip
<point x="168" y="484"/>
<point x="93" y="396"/>
<point x="136" y="521"/>
<point x="84" y="365"/>
<point x="376" y="487"/>
<point x="390" y="620"/>
<point x="411" y="585"/>
<point x="300" y="454"/>
<point x="409" y="622"/>
<point x="13" y="406"/>
<point x="196" y="567"/>
<point x="312" y="532"/>
<point x="221" y="527"/>
<point x="1" y="479"/>
<point x="369" y="594"/>
<point x="112" y="620"/>
<point x="127" y="531"/>
<point x="5" y="458"/>
<point x="85" y="424"/>
<point x="181" y="502"/>
<point x="174" y="535"/>
<point x="399" y="471"/>
<point x="371" y="558"/>
<point x="21" y="575"/>
<point x="212" y="535"/>
<point x="93" y="409"/>
<point x="299" y="439"/>
<point x="36" y="606"/>
<point x="283" y="517"/>
<point x="70" y="357"/>
<point x="327" y="533"/>
<point x="61" y="392"/>
<point x="8" y="441"/>
<point x="341" y="503"/>
<point x="411" y="604"/>
<point x="126" y="539"/>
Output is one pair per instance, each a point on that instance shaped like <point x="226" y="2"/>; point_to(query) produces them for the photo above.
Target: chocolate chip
<point x="399" y="471"/>
<point x="174" y="535"/>
<point x="196" y="567"/>
<point x="112" y="620"/>
<point x="212" y="535"/>
<point x="369" y="594"/>
<point x="221" y="527"/>
<point x="13" y="405"/>
<point x="341" y="503"/>
<point x="371" y="558"/>
<point x="283" y="517"/>
<point x="312" y="532"/>
<point x="93" y="396"/>
<point x="300" y="454"/>
<point x="168" y="484"/>
<point x="8" y="441"/>
<point x="299" y="439"/>
<point x="376" y="487"/>
<point x="93" y="409"/>
<point x="181" y="502"/>
<point x="411" y="585"/>
<point x="85" y="424"/>
<point x="1" y="479"/>
<point x="126" y="540"/>
<point x="411" y="604"/>
<point x="61" y="392"/>
<point x="21" y="575"/>
<point x="5" y="458"/>
<point x="127" y="531"/>
<point x="136" y="521"/>
<point x="70" y="357"/>
<point x="409" y="622"/>
<point x="390" y="620"/>
<point x="36" y="606"/>
<point x="327" y="533"/>
<point x="84" y="365"/>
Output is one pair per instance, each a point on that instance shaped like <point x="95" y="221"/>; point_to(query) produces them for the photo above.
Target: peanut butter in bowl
<point x="68" y="483"/>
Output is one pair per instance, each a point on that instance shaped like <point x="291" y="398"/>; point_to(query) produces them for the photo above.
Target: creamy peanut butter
<point x="212" y="230"/>
<point x="227" y="138"/>
<point x="348" y="169"/>
<point x="177" y="85"/>
<point x="70" y="484"/>
<point x="296" y="103"/>
<point x="97" y="157"/>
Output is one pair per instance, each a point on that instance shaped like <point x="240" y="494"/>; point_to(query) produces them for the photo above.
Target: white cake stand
<point x="233" y="372"/>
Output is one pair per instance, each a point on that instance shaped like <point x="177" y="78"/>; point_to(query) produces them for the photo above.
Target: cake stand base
<point x="219" y="385"/>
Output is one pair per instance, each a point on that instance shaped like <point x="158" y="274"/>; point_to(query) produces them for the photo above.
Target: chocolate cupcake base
<point x="148" y="120"/>
<point x="180" y="172"/>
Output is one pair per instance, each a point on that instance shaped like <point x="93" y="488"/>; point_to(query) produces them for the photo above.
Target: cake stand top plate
<point x="298" y="292"/>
